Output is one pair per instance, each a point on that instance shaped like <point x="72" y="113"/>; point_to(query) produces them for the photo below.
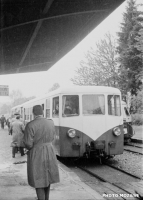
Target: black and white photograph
<point x="71" y="99"/>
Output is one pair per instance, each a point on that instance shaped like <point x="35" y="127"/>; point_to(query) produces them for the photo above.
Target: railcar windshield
<point x="93" y="104"/>
<point x="114" y="105"/>
<point x="70" y="105"/>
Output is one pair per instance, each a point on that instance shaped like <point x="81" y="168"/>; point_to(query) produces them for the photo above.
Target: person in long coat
<point x="42" y="165"/>
<point x="17" y="131"/>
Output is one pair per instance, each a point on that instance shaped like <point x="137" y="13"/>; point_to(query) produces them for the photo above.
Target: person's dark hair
<point x="18" y="117"/>
<point x="37" y="110"/>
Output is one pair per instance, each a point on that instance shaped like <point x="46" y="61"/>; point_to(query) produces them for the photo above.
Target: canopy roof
<point x="35" y="34"/>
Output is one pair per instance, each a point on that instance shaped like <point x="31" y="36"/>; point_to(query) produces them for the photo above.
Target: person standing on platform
<point x="17" y="131"/>
<point x="16" y="114"/>
<point x="42" y="166"/>
<point x="2" y="121"/>
<point x="8" y="122"/>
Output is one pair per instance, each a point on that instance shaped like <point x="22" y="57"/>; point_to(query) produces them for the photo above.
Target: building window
<point x="93" y="104"/>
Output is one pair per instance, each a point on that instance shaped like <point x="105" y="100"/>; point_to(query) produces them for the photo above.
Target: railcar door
<point x="114" y="119"/>
<point x="54" y="115"/>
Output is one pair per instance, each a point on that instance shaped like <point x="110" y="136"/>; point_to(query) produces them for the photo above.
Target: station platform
<point x="14" y="186"/>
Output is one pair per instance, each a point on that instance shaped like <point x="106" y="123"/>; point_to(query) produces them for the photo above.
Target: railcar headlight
<point x="71" y="133"/>
<point x="117" y="131"/>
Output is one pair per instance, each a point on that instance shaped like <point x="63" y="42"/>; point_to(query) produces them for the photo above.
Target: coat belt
<point x="42" y="144"/>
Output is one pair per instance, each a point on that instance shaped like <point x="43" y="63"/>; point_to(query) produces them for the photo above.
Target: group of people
<point x="36" y="137"/>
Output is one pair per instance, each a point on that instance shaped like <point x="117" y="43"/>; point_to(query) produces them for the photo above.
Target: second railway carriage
<point x="88" y="120"/>
<point x="127" y="122"/>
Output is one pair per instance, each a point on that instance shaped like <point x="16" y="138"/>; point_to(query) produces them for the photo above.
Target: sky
<point x="38" y="83"/>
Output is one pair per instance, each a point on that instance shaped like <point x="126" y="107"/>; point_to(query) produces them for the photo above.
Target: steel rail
<point x="133" y="151"/>
<point x="121" y="170"/>
<point x="107" y="181"/>
<point x="104" y="180"/>
<point x="132" y="145"/>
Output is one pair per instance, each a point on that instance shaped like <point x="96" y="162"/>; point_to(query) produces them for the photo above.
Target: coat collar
<point x="39" y="116"/>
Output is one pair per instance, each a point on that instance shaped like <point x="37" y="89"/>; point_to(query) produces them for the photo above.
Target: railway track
<point x="138" y="145"/>
<point x="110" y="180"/>
<point x="134" y="149"/>
<point x="125" y="185"/>
<point x="121" y="170"/>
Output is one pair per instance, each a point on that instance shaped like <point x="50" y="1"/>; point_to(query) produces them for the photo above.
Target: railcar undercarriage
<point x="96" y="149"/>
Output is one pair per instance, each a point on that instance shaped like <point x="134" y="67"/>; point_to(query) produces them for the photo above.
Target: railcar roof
<point x="81" y="89"/>
<point x="18" y="106"/>
<point x="75" y="90"/>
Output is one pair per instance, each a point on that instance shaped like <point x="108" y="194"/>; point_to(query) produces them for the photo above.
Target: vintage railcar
<point x="88" y="120"/>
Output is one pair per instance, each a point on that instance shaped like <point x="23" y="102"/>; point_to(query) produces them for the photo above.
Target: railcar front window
<point x="93" y="104"/>
<point x="70" y="105"/>
<point x="114" y="105"/>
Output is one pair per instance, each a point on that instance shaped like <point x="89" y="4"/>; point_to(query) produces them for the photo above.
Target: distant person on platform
<point x="42" y="166"/>
<point x="15" y="115"/>
<point x="8" y="123"/>
<point x="2" y="121"/>
<point x="17" y="131"/>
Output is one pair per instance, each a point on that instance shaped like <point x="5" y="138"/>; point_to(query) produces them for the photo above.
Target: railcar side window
<point x="70" y="105"/>
<point x="126" y="111"/>
<point x="22" y="112"/>
<point x="31" y="114"/>
<point x="56" y="107"/>
<point x="47" y="108"/>
<point x="114" y="105"/>
<point x="93" y="104"/>
<point x="27" y="113"/>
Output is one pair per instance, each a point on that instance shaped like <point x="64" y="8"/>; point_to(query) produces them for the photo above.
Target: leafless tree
<point x="17" y="98"/>
<point x="100" y="66"/>
<point x="54" y="87"/>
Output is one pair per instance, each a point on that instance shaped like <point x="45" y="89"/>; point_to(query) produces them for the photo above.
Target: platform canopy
<point x="35" y="34"/>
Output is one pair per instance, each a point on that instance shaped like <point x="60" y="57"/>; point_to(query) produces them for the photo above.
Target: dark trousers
<point x="2" y="125"/>
<point x="14" y="151"/>
<point x="43" y="193"/>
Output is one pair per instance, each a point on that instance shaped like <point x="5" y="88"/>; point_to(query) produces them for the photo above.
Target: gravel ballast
<point x="130" y="162"/>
